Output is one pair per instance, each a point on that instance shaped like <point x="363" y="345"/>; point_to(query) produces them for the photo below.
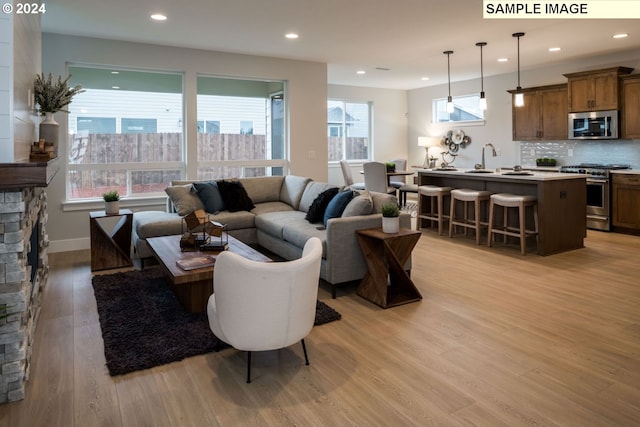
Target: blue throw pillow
<point x="336" y="205"/>
<point x="210" y="196"/>
<point x="319" y="205"/>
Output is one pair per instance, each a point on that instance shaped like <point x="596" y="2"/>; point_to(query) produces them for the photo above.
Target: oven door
<point x="598" y="204"/>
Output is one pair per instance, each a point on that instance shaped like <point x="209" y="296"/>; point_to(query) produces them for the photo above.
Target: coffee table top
<point x="167" y="251"/>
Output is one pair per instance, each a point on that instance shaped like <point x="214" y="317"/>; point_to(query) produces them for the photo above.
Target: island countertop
<point x="561" y="197"/>
<point x="504" y="174"/>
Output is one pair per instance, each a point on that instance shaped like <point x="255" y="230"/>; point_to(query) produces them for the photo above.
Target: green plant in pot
<point x="111" y="202"/>
<point x="390" y="218"/>
<point x="391" y="166"/>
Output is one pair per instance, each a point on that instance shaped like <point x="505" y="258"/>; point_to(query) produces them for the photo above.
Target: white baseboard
<point x="69" y="245"/>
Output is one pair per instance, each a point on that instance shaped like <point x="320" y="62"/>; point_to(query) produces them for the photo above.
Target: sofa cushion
<point x="210" y="196"/>
<point x="263" y="189"/>
<point x="292" y="189"/>
<point x="266" y="207"/>
<point x="292" y="227"/>
<point x="336" y="205"/>
<point x="380" y="199"/>
<point x="361" y="204"/>
<point x="156" y="223"/>
<point x="273" y="223"/>
<point x="234" y="195"/>
<point x="235" y="220"/>
<point x="184" y="199"/>
<point x="319" y="205"/>
<point x="311" y="191"/>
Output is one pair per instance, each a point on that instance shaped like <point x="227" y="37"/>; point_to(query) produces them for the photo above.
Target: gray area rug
<point x="143" y="324"/>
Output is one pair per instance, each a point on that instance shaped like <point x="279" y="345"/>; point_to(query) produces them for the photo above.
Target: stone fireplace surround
<point x="24" y="270"/>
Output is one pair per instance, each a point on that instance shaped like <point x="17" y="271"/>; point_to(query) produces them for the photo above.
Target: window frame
<point x="344" y="134"/>
<point x="435" y="111"/>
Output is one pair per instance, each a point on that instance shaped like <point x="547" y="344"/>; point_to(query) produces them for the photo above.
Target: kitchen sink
<point x="479" y="171"/>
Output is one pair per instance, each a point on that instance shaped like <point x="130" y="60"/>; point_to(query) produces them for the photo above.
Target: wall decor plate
<point x="457" y="136"/>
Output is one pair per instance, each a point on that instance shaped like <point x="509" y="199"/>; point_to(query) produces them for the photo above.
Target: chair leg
<point x="304" y="349"/>
<point x="248" y="367"/>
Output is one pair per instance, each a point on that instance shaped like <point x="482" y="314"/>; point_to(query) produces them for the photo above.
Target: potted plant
<point x="111" y="202"/>
<point x="390" y="218"/>
<point x="391" y="166"/>
<point x="52" y="96"/>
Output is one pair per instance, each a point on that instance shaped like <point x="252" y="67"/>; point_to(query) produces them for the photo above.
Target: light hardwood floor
<point x="498" y="340"/>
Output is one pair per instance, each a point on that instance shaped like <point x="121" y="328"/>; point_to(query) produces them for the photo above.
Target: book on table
<point x="196" y="262"/>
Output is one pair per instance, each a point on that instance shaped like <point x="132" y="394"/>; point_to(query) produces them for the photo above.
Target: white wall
<point x="307" y="104"/>
<point x="389" y="129"/>
<point x="498" y="119"/>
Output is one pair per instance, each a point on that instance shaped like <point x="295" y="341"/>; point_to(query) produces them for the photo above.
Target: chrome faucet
<point x="493" y="152"/>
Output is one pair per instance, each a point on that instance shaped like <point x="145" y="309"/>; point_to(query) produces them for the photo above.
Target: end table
<point x="386" y="283"/>
<point x="110" y="249"/>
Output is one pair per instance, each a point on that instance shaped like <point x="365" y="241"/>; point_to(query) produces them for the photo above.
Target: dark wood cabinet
<point x="626" y="202"/>
<point x="543" y="116"/>
<point x="595" y="90"/>
<point x="631" y="107"/>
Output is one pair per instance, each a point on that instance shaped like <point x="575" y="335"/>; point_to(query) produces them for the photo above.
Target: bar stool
<point x="507" y="201"/>
<point x="468" y="196"/>
<point x="435" y="210"/>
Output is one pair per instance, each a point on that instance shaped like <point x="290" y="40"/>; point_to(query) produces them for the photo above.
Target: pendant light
<point x="519" y="98"/>
<point x="450" y="108"/>
<point x="483" y="100"/>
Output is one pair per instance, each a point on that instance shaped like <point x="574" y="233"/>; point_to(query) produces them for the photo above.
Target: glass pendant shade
<point x="483" y="102"/>
<point x="450" y="108"/>
<point x="519" y="98"/>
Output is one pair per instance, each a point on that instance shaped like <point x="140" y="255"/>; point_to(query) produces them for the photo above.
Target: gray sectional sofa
<point x="277" y="222"/>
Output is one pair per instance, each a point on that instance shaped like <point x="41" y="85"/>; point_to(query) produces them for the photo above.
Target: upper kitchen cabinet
<point x="631" y="106"/>
<point x="595" y="90"/>
<point x="543" y="116"/>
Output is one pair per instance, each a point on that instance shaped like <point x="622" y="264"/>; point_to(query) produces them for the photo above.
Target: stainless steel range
<point x="598" y="192"/>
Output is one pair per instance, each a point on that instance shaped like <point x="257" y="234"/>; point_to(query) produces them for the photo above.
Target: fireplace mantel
<point x="28" y="174"/>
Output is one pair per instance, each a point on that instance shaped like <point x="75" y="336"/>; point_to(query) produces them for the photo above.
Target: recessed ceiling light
<point x="158" y="17"/>
<point x="620" y="36"/>
<point x="115" y="72"/>
<point x="425" y="78"/>
<point x="554" y="49"/>
<point x="503" y="59"/>
<point x="291" y="36"/>
<point x="115" y="87"/>
<point x="361" y="72"/>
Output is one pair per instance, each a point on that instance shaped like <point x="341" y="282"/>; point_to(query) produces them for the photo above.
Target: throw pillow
<point x="184" y="199"/>
<point x="210" y="196"/>
<point x="337" y="205"/>
<point x="319" y="205"/>
<point x="359" y="205"/>
<point x="235" y="196"/>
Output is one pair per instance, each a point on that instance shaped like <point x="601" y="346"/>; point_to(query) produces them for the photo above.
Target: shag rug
<point x="144" y="325"/>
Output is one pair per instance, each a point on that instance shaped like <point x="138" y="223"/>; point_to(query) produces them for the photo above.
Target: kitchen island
<point x="562" y="200"/>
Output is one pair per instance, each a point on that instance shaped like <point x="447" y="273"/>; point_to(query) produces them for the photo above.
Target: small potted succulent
<point x="545" y="161"/>
<point x="111" y="202"/>
<point x="390" y="218"/>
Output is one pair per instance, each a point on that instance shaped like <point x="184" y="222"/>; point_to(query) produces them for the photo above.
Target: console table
<point x="110" y="249"/>
<point x="386" y="283"/>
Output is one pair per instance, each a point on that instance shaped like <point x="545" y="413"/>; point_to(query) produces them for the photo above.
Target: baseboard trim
<point x="69" y="245"/>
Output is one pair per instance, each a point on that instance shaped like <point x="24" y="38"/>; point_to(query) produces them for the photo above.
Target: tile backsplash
<point x="614" y="151"/>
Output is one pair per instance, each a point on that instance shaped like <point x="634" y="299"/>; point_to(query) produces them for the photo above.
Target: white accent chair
<point x="260" y="306"/>
<point x="375" y="178"/>
<point x="348" y="178"/>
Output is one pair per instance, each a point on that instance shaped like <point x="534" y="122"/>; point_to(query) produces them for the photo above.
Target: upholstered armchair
<point x="260" y="306"/>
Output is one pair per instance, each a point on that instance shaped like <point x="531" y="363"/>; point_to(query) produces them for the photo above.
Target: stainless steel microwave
<point x="594" y="125"/>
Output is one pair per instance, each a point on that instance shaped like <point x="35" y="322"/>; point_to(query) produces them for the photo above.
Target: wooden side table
<point x="386" y="283"/>
<point x="110" y="249"/>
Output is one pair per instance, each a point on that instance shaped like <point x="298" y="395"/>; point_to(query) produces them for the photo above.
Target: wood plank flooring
<point x="499" y="339"/>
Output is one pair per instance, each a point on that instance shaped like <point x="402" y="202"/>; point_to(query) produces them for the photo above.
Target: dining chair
<point x="400" y="182"/>
<point x="375" y="178"/>
<point x="348" y="178"/>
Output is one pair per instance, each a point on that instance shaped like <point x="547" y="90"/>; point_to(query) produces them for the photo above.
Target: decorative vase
<point x="390" y="225"/>
<point x="112" y="208"/>
<point x="49" y="129"/>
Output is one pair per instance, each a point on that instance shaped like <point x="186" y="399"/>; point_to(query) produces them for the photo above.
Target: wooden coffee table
<point x="193" y="288"/>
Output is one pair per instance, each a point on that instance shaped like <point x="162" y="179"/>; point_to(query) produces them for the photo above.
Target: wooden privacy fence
<point x="356" y="148"/>
<point x="152" y="148"/>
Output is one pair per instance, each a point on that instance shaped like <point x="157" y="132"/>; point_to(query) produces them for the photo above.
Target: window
<point x="466" y="109"/>
<point x="125" y="132"/>
<point x="248" y="139"/>
<point x="348" y="130"/>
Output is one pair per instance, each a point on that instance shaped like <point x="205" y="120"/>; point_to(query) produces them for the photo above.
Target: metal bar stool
<point x="513" y="201"/>
<point x="431" y="204"/>
<point x="468" y="196"/>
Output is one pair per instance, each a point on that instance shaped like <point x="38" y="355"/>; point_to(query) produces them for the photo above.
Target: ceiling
<point x="396" y="42"/>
